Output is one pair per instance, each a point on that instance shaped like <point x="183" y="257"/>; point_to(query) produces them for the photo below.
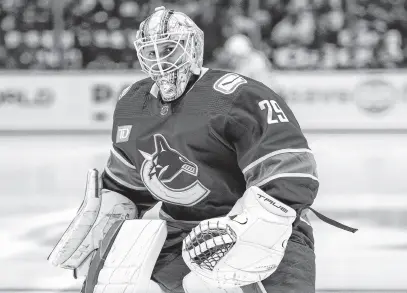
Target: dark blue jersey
<point x="199" y="154"/>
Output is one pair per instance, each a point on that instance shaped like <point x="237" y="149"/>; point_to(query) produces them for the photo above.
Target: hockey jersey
<point x="199" y="154"/>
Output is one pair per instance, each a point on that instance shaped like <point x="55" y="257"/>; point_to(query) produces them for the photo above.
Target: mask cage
<point x="157" y="65"/>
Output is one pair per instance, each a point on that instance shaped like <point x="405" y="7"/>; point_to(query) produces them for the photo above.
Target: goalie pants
<point x="295" y="274"/>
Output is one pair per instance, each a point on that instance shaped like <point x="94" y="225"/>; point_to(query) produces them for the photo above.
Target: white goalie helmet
<point x="170" y="49"/>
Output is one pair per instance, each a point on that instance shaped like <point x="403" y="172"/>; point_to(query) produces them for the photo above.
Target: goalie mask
<point x="170" y="49"/>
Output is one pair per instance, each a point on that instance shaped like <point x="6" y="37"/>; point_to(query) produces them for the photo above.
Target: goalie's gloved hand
<point x="244" y="247"/>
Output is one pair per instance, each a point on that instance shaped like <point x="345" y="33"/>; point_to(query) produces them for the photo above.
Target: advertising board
<point x="320" y="100"/>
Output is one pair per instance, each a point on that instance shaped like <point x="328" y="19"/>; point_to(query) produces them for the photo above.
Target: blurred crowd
<point x="280" y="34"/>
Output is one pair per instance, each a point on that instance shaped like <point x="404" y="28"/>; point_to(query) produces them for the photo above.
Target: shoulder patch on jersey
<point x="228" y="83"/>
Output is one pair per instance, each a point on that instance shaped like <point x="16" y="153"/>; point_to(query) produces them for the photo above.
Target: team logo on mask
<point x="164" y="166"/>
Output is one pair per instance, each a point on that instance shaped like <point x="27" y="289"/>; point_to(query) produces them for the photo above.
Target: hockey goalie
<point x="224" y="156"/>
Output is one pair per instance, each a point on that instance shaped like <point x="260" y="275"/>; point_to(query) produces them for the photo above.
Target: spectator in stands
<point x="239" y="55"/>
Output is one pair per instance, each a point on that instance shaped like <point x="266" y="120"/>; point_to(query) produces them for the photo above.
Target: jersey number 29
<point x="273" y="107"/>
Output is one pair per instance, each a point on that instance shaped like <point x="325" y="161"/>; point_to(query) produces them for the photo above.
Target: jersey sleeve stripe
<point x="282" y="175"/>
<point x="122" y="182"/>
<point x="284" y="164"/>
<point x="282" y="151"/>
<point x="124" y="173"/>
<point x="121" y="159"/>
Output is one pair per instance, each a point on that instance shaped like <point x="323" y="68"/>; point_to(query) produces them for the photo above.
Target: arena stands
<point x="294" y="34"/>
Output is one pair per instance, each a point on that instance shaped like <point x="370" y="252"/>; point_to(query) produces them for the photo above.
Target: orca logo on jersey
<point x="163" y="166"/>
